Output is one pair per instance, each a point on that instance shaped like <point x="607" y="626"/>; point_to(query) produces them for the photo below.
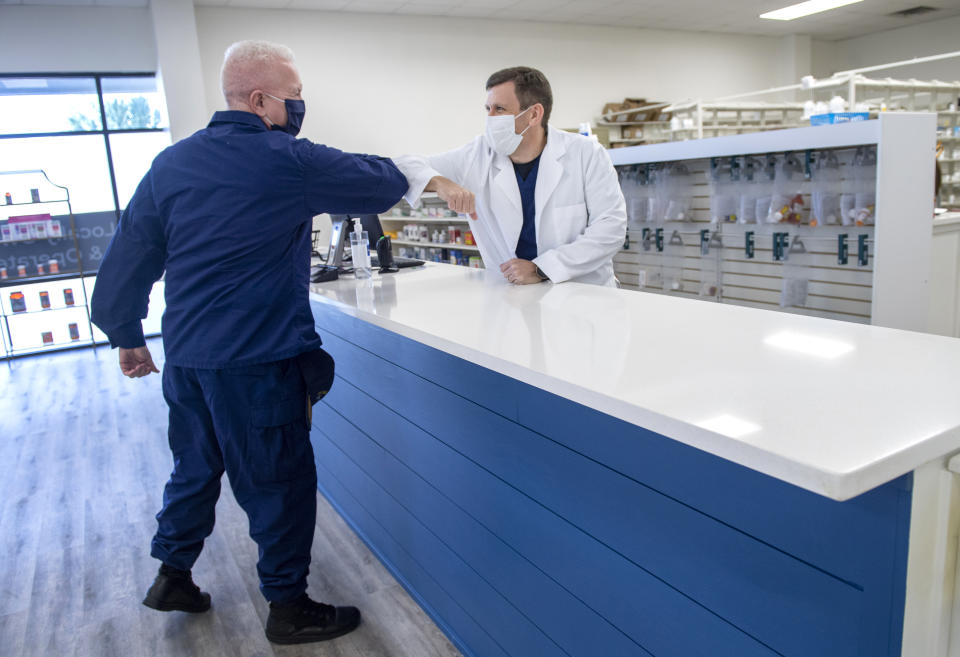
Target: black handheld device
<point x="385" y="255"/>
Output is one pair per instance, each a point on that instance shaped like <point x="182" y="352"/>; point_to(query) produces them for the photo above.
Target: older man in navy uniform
<point x="227" y="214"/>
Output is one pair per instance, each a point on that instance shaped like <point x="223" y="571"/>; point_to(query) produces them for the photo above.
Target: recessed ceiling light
<point x="806" y="8"/>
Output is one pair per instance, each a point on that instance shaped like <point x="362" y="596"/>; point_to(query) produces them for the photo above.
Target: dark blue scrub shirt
<point x="527" y="182"/>
<point x="227" y="214"/>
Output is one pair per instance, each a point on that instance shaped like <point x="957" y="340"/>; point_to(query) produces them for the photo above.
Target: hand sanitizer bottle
<point x="359" y="250"/>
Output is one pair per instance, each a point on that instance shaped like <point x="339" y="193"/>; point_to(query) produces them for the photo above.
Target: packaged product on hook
<point x="764" y="190"/>
<point x="750" y="183"/>
<point x="865" y="199"/>
<point x="656" y="180"/>
<point x="633" y="194"/>
<point x="723" y="190"/>
<point x="796" y="275"/>
<point x="671" y="263"/>
<point x="848" y="190"/>
<point x="786" y="201"/>
<point x="678" y="193"/>
<point x="711" y="254"/>
<point x="827" y="189"/>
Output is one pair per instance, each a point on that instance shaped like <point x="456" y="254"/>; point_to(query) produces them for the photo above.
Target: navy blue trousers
<point x="250" y="422"/>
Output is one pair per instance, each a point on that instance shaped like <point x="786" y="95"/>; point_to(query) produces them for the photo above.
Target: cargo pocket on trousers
<point x="281" y="437"/>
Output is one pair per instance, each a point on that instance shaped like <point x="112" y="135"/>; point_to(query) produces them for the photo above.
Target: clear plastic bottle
<point x="360" y="251"/>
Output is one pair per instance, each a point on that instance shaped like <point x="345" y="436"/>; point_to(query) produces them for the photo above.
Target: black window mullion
<point x="106" y="145"/>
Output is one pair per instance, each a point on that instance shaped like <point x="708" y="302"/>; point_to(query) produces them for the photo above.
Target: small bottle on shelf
<point x="8" y="198"/>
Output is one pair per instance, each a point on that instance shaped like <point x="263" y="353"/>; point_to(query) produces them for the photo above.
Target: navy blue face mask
<point x="296" y="109"/>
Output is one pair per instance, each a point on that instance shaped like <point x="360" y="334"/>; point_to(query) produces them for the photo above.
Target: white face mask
<point x="501" y="133"/>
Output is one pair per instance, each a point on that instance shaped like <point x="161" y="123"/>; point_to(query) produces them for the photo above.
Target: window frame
<point x="104" y="130"/>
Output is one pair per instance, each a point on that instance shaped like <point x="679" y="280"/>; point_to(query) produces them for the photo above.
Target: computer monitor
<point x="339" y="229"/>
<point x="371" y="224"/>
<point x="341" y="226"/>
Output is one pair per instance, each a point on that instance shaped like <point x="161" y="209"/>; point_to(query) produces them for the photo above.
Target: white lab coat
<point x="581" y="218"/>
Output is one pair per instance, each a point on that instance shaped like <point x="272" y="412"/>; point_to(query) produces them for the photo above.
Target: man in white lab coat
<point x="545" y="204"/>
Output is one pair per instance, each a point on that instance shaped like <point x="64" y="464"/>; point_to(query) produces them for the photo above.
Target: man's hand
<point x="456" y="197"/>
<point x="136" y="363"/>
<point x="520" y="272"/>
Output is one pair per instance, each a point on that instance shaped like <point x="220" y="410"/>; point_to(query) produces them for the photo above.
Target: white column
<point x="796" y="60"/>
<point x="178" y="65"/>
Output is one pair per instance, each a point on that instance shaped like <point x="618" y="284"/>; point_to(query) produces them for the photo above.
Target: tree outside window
<point x="121" y="115"/>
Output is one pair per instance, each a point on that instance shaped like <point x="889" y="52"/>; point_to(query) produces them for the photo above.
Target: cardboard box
<point x="628" y="103"/>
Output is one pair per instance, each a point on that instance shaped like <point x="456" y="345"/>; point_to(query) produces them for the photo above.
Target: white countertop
<point x="833" y="407"/>
<point x="946" y="219"/>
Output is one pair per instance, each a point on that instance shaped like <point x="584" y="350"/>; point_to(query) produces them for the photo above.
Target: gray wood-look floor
<point x="83" y="460"/>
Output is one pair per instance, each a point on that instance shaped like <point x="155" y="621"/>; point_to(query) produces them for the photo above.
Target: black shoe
<point x="174" y="590"/>
<point x="306" y="621"/>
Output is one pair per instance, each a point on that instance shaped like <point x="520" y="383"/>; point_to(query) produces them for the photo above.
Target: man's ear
<point x="255" y="100"/>
<point x="537" y="112"/>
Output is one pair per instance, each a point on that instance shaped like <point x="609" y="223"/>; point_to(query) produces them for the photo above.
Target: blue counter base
<point x="530" y="526"/>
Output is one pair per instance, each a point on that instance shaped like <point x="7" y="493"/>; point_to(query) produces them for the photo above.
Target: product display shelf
<point x="53" y="346"/>
<point x="38" y="179"/>
<point x="443" y="221"/>
<point x="394" y="223"/>
<point x="50" y="310"/>
<point x="438" y="245"/>
<point x="14" y="281"/>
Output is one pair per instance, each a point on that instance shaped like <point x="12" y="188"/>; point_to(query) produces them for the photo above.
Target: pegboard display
<point x="831" y="221"/>
<point x="727" y="230"/>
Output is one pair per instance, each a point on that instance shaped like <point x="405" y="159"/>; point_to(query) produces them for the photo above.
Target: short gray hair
<point x="243" y="66"/>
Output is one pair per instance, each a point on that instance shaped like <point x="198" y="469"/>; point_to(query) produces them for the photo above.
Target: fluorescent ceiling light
<point x="728" y="425"/>
<point x="805" y="9"/>
<point x="809" y="345"/>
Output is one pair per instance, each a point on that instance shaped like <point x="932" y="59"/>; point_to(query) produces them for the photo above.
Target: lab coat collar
<point x="505" y="178"/>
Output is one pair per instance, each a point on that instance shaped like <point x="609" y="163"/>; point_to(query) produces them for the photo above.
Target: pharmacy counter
<point x="575" y="470"/>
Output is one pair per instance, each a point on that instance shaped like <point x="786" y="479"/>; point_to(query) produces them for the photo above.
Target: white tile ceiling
<point x="730" y="16"/>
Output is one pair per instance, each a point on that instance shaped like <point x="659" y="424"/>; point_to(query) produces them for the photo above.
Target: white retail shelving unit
<point x="889" y="288"/>
<point x="434" y="215"/>
<point x="945" y="276"/>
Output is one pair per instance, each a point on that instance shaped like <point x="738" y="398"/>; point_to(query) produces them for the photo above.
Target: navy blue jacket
<point x="227" y="213"/>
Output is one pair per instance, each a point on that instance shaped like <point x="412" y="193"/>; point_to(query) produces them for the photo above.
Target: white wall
<point x="76" y="39"/>
<point x="394" y="84"/>
<point x="932" y="38"/>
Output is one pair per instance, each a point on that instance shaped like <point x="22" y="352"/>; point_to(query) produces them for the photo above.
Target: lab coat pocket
<point x="565" y="223"/>
<point x="280" y="441"/>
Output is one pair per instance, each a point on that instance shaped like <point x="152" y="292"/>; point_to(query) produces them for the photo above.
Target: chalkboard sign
<point x="94" y="232"/>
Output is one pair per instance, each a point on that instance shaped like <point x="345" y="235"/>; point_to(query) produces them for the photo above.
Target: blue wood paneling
<point x="540" y="604"/>
<point x="644" y="542"/>
<point x="450" y="616"/>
